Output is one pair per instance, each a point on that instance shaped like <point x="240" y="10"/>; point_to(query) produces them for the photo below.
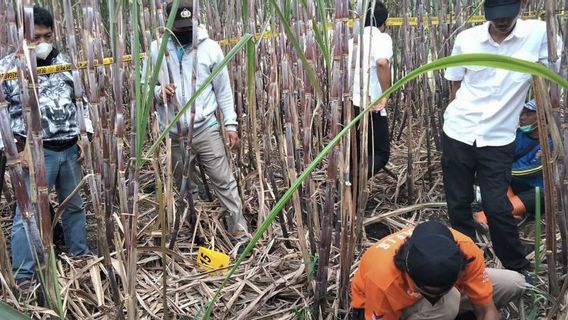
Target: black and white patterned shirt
<point x="59" y="113"/>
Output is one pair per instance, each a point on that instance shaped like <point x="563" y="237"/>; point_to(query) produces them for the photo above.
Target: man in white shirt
<point x="377" y="54"/>
<point x="480" y="124"/>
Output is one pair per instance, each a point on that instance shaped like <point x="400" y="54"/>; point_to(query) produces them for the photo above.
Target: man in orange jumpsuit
<point x="429" y="272"/>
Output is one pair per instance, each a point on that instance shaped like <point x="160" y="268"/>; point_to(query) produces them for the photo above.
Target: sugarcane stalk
<point x="93" y="170"/>
<point x="335" y="103"/>
<point x="562" y="165"/>
<point x="289" y="156"/>
<point x="308" y="201"/>
<point x="38" y="182"/>
<point x="543" y="101"/>
<point x="348" y="214"/>
<point x="269" y="120"/>
<point x="13" y="163"/>
<point x="185" y="195"/>
<point x="360" y="172"/>
<point x="248" y="10"/>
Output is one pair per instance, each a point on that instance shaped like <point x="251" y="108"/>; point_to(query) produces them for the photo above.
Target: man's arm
<point x="455" y="86"/>
<point x="225" y="101"/>
<point x="384" y="73"/>
<point x="486" y="311"/>
<point x="384" y="76"/>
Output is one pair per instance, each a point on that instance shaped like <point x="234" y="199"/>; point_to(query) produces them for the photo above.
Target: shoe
<point x="481" y="222"/>
<point x="25" y="286"/>
<point x="529" y="278"/>
<point x="241" y="243"/>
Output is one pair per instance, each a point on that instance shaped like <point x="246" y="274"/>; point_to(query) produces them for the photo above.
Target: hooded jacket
<point x="178" y="64"/>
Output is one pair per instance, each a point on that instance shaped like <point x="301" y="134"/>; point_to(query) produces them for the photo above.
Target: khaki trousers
<point x="211" y="150"/>
<point x="507" y="286"/>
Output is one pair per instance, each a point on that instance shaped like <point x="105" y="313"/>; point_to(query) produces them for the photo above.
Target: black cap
<point x="434" y="259"/>
<point x="184" y="14"/>
<point x="495" y="9"/>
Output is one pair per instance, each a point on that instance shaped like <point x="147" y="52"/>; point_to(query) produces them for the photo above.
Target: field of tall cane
<point x="291" y="77"/>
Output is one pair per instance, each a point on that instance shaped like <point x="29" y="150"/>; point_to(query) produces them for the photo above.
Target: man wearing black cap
<point x="429" y="272"/>
<point x="481" y="121"/>
<point x="175" y="90"/>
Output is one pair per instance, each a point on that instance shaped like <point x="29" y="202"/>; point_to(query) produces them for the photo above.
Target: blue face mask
<point x="528" y="128"/>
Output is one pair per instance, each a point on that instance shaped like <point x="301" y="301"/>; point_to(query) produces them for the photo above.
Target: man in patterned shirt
<point x="62" y="151"/>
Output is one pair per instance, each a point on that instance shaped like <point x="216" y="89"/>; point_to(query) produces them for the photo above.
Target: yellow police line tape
<point x="56" y="68"/>
<point x="395" y="22"/>
<point x="413" y="21"/>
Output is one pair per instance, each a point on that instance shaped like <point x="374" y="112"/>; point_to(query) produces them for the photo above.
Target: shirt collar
<point x="520" y="31"/>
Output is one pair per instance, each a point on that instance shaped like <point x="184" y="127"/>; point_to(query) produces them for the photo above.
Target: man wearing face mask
<point x="62" y="151"/>
<point x="175" y="88"/>
<point x="429" y="272"/>
<point x="481" y="120"/>
<point x="527" y="167"/>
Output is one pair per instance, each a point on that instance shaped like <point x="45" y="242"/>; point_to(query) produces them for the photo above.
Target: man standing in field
<point x="207" y="142"/>
<point x="377" y="54"/>
<point x="62" y="148"/>
<point x="481" y="121"/>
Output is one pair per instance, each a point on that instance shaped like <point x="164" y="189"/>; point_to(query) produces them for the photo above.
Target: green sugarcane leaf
<point x="7" y="312"/>
<point x="487" y="60"/>
<point x="218" y="68"/>
<point x="143" y="108"/>
<point x="141" y="117"/>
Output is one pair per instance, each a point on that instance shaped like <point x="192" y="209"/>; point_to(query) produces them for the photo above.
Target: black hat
<point x="433" y="259"/>
<point x="495" y="9"/>
<point x="184" y="14"/>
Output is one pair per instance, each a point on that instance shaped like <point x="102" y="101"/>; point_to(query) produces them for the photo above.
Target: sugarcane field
<point x="284" y="159"/>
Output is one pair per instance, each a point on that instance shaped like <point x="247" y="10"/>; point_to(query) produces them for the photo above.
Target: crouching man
<point x="430" y="272"/>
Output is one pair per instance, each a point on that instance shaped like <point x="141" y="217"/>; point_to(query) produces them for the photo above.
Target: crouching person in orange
<point x="430" y="272"/>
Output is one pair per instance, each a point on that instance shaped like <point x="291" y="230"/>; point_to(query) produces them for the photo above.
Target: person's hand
<point x="81" y="146"/>
<point x="381" y="105"/>
<point x="24" y="158"/>
<point x="233" y="141"/>
<point x="169" y="90"/>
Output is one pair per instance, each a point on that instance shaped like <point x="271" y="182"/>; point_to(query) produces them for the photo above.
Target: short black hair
<point x="42" y="17"/>
<point x="376" y="17"/>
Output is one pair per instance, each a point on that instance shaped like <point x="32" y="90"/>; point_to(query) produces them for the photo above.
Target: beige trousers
<point x="507" y="286"/>
<point x="211" y="150"/>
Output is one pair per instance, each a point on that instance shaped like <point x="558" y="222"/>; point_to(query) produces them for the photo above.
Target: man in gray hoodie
<point x="176" y="87"/>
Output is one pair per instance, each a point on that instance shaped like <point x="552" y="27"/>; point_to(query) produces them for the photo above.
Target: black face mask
<point x="185" y="36"/>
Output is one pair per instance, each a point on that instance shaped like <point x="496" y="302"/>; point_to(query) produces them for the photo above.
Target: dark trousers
<point x="460" y="163"/>
<point x="525" y="192"/>
<point x="378" y="142"/>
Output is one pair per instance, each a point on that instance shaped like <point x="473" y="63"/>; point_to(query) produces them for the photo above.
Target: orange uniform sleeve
<point x="358" y="290"/>
<point x="366" y="295"/>
<point x="476" y="283"/>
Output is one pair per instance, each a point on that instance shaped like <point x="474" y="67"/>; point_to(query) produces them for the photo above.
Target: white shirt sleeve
<point x="456" y="73"/>
<point x="543" y="53"/>
<point x="382" y="47"/>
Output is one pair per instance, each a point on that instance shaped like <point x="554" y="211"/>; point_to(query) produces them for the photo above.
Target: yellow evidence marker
<point x="212" y="261"/>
